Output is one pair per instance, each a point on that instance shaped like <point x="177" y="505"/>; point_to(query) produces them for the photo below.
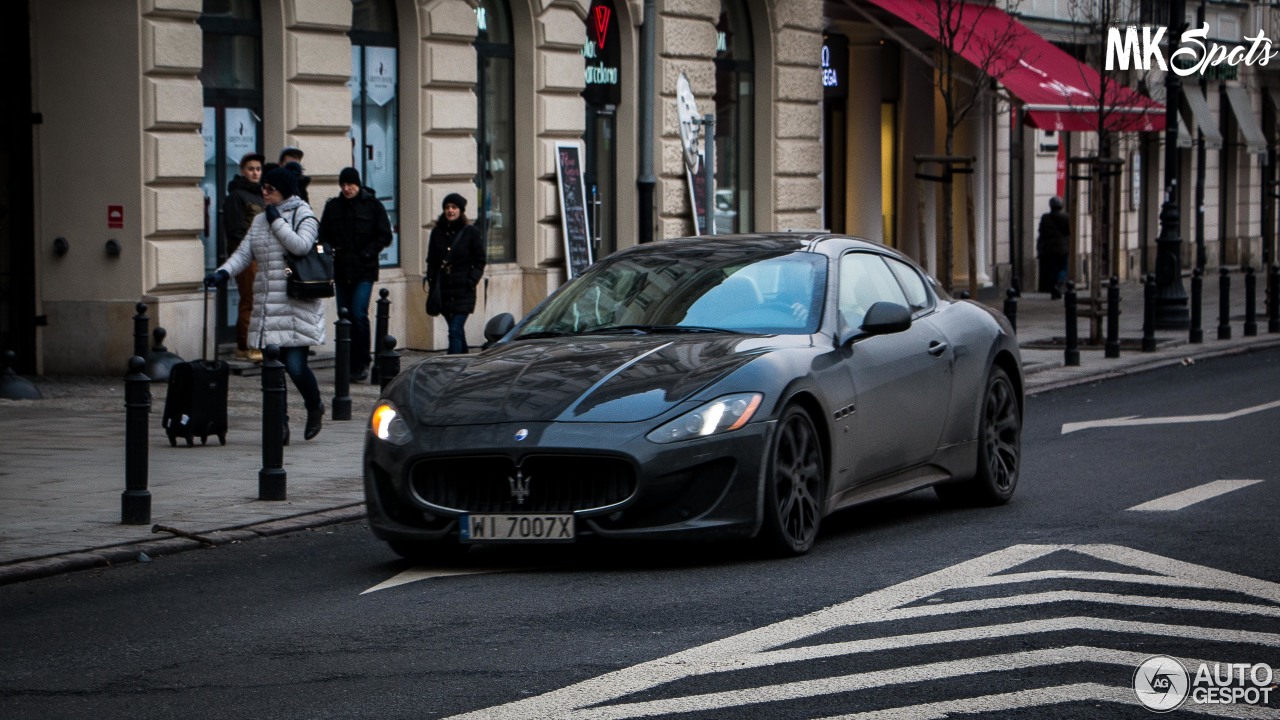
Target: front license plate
<point x="516" y="528"/>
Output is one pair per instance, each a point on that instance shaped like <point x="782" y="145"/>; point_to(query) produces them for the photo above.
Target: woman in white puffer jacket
<point x="287" y="226"/>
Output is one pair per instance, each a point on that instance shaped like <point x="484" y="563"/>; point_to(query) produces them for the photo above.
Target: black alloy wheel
<point x="794" y="498"/>
<point x="999" y="448"/>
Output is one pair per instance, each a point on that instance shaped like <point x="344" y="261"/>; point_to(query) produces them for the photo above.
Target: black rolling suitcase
<point x="196" y="402"/>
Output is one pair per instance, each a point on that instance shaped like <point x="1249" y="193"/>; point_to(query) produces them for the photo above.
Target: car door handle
<point x="937" y="348"/>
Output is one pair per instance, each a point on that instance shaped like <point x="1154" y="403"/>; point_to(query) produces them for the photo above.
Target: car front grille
<point x="540" y="484"/>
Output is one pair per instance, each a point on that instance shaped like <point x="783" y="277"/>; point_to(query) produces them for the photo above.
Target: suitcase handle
<point x="204" y="328"/>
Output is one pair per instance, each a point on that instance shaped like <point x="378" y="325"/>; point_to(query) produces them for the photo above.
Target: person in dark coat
<point x="455" y="258"/>
<point x="1053" y="243"/>
<point x="294" y="155"/>
<point x="243" y="203"/>
<point x="356" y="226"/>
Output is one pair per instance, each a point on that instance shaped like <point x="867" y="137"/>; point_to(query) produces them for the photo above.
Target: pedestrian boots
<point x="314" y="418"/>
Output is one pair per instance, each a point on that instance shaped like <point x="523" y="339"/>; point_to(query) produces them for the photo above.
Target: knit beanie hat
<point x="455" y="199"/>
<point x="349" y="176"/>
<point x="282" y="179"/>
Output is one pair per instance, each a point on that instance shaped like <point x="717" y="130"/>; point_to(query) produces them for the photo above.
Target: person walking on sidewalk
<point x="244" y="202"/>
<point x="455" y="259"/>
<point x="356" y="226"/>
<point x="287" y="225"/>
<point x="1053" y="243"/>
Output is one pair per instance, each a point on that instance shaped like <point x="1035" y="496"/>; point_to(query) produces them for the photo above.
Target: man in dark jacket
<point x="455" y="259"/>
<point x="1053" y="244"/>
<point x="356" y="226"/>
<point x="244" y="201"/>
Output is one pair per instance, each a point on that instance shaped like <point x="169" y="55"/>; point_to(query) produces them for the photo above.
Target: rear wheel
<point x="795" y="482"/>
<point x="999" y="448"/>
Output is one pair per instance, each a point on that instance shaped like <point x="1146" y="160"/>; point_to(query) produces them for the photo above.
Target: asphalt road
<point x="1044" y="608"/>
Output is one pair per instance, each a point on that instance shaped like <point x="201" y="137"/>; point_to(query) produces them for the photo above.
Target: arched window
<point x="232" y="78"/>
<point x="735" y="121"/>
<point x="375" y="107"/>
<point x="495" y="137"/>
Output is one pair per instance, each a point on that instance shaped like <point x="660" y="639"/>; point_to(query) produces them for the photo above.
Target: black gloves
<point x="216" y="278"/>
<point x="273" y="214"/>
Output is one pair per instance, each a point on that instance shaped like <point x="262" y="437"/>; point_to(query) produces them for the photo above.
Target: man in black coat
<point x="455" y="258"/>
<point x="244" y="201"/>
<point x="355" y="225"/>
<point x="1053" y="244"/>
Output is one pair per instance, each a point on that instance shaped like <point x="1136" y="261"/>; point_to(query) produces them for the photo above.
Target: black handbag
<point x="310" y="276"/>
<point x="435" y="303"/>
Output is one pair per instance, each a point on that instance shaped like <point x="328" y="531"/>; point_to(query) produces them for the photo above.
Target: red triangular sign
<point x="602" y="24"/>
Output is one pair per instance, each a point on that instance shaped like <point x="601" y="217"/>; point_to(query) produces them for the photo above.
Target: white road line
<point x="426" y="573"/>
<point x="1176" y="419"/>
<point x="584" y="699"/>
<point x="1183" y="499"/>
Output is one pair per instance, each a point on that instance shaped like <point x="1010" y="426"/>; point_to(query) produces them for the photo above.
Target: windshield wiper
<point x="645" y="329"/>
<point x="543" y="334"/>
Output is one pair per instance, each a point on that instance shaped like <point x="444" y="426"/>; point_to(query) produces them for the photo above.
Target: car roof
<point x="768" y="242"/>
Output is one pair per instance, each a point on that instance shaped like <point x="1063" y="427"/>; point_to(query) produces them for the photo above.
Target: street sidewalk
<point x="62" y="457"/>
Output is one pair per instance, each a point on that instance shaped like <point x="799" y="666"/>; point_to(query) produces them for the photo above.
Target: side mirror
<point x="885" y="318"/>
<point x="497" y="327"/>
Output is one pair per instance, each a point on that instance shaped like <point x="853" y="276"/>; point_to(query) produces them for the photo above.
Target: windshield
<point x="689" y="292"/>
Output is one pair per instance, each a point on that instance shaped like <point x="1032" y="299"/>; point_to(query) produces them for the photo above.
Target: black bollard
<point x="380" y="330"/>
<point x="388" y="361"/>
<point x="1071" y="356"/>
<point x="1250" y="303"/>
<point x="1011" y="308"/>
<point x="342" y="370"/>
<point x="141" y="330"/>
<point x="1111" y="348"/>
<point x="1197" y="303"/>
<point x="1273" y="294"/>
<point x="1149" y="295"/>
<point x="160" y="362"/>
<point x="1224" y="305"/>
<point x="272" y="477"/>
<point x="135" y="502"/>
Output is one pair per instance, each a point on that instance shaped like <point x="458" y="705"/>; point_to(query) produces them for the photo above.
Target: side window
<point x="865" y="280"/>
<point x="912" y="285"/>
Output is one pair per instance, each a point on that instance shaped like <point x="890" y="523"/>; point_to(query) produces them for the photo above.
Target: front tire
<point x="795" y="483"/>
<point x="999" y="448"/>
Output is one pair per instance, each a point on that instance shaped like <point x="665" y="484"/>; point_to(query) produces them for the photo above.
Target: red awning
<point x="1059" y="92"/>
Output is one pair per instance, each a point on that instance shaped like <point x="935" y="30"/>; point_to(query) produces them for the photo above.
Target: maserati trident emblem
<point x="519" y="486"/>
<point x="521" y="434"/>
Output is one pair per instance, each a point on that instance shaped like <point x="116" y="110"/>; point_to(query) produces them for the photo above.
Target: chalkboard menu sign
<point x="573" y="208"/>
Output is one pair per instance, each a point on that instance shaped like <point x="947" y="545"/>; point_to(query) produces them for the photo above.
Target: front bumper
<point x="704" y="489"/>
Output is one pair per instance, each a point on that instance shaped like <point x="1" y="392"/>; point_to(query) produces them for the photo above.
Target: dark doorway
<point x="17" y="197"/>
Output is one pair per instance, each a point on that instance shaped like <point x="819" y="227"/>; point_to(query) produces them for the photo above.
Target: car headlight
<point x="718" y="416"/>
<point x="388" y="425"/>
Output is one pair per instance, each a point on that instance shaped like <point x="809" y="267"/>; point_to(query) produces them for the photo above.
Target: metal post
<point x="1273" y="296"/>
<point x="135" y="502"/>
<point x="1071" y="356"/>
<point x="141" y="332"/>
<point x="709" y="172"/>
<point x="1112" y="345"/>
<point x="342" y="368"/>
<point x="1011" y="307"/>
<point x="1171" y="309"/>
<point x="1250" y="303"/>
<point x="1149" y="290"/>
<point x="272" y="477"/>
<point x="1197" y="302"/>
<point x="646" y="181"/>
<point x="381" y="322"/>
<point x="389" y="360"/>
<point x="1224" y="304"/>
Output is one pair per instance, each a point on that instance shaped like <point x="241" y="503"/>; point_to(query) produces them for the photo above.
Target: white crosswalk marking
<point x="777" y="644"/>
<point x="1132" y="420"/>
<point x="1191" y="496"/>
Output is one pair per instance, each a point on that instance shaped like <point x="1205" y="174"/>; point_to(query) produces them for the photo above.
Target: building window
<point x="735" y="121"/>
<point x="495" y="137"/>
<point x="375" y="107"/>
<point x="232" y="78"/>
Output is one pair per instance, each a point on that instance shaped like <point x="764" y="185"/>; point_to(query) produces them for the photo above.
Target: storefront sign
<point x="603" y="55"/>
<point x="115" y="217"/>
<point x="573" y="208"/>
<point x="242" y="134"/>
<point x="835" y="66"/>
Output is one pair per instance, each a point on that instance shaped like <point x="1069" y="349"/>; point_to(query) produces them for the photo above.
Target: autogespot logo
<point x="1161" y="683"/>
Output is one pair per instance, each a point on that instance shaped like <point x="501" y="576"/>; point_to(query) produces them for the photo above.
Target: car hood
<point x="605" y="379"/>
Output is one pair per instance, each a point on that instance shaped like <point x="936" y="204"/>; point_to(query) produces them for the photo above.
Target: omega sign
<point x="603" y="55"/>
